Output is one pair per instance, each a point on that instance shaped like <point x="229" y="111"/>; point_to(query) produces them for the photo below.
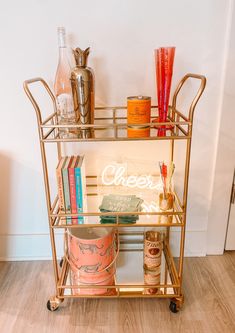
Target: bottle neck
<point x="62" y="42"/>
<point x="61" y="37"/>
<point x="63" y="56"/>
<point x="63" y="53"/>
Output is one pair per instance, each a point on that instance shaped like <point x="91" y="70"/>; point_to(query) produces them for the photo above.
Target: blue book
<point x="80" y="181"/>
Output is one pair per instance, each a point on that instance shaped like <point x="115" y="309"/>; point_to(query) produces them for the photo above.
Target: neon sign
<point x="114" y="174"/>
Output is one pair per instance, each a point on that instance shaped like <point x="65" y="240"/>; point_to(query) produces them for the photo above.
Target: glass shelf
<point x="150" y="217"/>
<point x="128" y="283"/>
<point x="110" y="124"/>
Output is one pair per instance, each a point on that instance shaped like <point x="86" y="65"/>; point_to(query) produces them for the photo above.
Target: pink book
<point x="60" y="184"/>
<point x="72" y="188"/>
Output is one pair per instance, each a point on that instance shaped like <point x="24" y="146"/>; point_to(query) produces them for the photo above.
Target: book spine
<point x="79" y="194"/>
<point x="66" y="194"/>
<point x="83" y="186"/>
<point x="60" y="189"/>
<point x="72" y="188"/>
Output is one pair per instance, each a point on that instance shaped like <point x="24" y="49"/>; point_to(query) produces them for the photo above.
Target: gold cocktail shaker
<point x="82" y="81"/>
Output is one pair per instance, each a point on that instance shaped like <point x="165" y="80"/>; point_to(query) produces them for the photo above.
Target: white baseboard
<point x="195" y="243"/>
<point x="22" y="247"/>
<point x="28" y="247"/>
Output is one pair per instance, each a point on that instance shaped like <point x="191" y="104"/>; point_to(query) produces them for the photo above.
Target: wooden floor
<point x="209" y="287"/>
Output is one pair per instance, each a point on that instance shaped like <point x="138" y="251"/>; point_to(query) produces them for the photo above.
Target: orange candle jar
<point x="138" y="110"/>
<point x="138" y="131"/>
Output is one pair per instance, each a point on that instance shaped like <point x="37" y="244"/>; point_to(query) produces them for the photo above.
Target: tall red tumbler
<point x="164" y="60"/>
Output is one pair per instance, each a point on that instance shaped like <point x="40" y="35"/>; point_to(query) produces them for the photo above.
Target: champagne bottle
<point x="63" y="90"/>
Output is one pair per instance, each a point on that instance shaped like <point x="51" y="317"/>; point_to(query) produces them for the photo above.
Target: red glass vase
<point x="164" y="60"/>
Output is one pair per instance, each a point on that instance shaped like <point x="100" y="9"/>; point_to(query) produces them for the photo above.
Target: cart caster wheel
<point x="53" y="304"/>
<point x="173" y="307"/>
<point x="61" y="262"/>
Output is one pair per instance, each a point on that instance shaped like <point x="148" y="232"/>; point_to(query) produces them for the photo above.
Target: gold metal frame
<point x="181" y="125"/>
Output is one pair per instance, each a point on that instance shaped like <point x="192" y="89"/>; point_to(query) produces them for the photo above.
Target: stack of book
<point x="71" y="180"/>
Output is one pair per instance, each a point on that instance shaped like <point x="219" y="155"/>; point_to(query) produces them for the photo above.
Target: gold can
<point x="166" y="205"/>
<point x="138" y="110"/>
<point x="152" y="250"/>
<point x="138" y="131"/>
<point x="152" y="278"/>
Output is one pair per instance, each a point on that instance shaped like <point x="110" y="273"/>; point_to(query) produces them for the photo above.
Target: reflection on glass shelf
<point x="110" y="124"/>
<point x="153" y="220"/>
<point x="130" y="278"/>
<point x="149" y="213"/>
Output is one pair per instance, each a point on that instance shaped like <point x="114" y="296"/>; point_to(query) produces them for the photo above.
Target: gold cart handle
<point x="196" y="98"/>
<point x="32" y="99"/>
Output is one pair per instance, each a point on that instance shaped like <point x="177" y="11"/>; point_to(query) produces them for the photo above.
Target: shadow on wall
<point x="102" y="82"/>
<point x="23" y="217"/>
<point x="5" y="189"/>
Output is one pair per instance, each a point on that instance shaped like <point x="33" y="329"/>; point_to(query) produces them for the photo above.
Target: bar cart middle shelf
<point x="111" y="125"/>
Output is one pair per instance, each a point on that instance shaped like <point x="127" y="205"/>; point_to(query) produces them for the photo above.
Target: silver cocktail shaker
<point x="82" y="81"/>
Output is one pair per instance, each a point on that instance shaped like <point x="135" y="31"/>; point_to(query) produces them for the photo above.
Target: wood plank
<point x="209" y="286"/>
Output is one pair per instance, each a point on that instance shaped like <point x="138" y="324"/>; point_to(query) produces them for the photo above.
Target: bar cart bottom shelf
<point x="133" y="287"/>
<point x="175" y="303"/>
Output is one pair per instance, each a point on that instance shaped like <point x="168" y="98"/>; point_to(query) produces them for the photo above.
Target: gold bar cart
<point x="110" y="126"/>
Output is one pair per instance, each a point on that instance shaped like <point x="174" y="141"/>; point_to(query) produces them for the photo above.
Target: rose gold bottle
<point x="63" y="90"/>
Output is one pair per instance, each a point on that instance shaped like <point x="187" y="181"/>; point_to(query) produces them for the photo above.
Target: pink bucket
<point x="92" y="257"/>
<point x="95" y="280"/>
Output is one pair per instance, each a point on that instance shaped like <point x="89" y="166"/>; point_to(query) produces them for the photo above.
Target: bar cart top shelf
<point x="110" y="123"/>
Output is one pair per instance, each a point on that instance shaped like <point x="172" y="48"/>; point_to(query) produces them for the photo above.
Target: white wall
<point x="225" y="158"/>
<point x="122" y="35"/>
